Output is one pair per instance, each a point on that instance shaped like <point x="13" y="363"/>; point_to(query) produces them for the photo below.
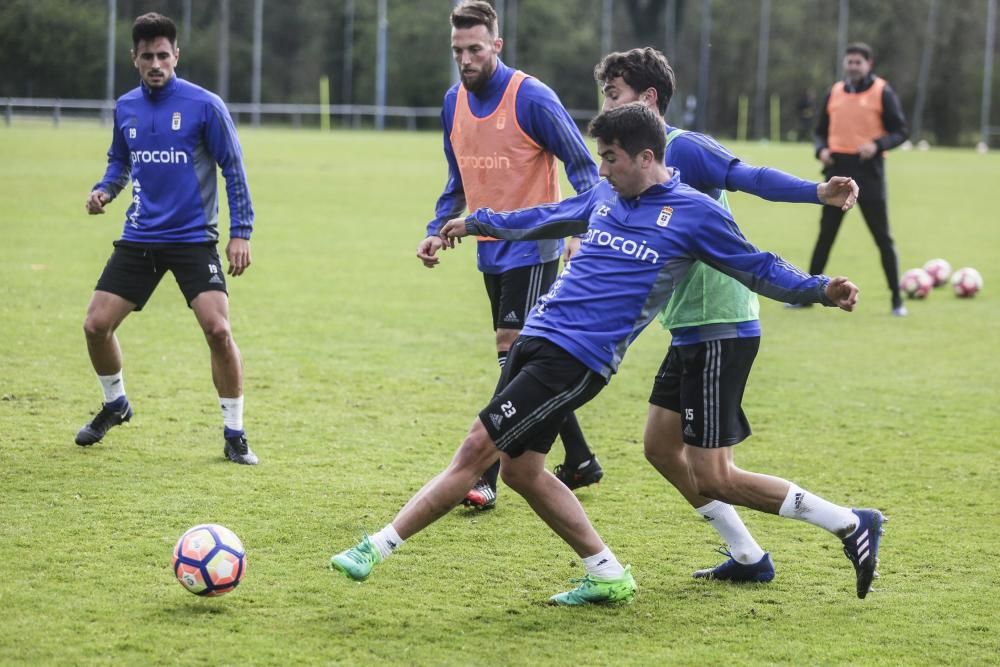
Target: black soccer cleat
<point x="583" y="475"/>
<point x="238" y="451"/>
<point x="861" y="547"/>
<point x="107" y="417"/>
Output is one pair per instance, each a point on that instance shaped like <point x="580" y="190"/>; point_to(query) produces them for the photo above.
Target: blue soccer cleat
<point x="732" y="570"/>
<point x="861" y="547"/>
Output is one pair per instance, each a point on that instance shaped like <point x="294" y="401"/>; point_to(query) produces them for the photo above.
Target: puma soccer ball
<point x="209" y="560"/>
<point x="966" y="282"/>
<point x="916" y="283"/>
<point x="939" y="270"/>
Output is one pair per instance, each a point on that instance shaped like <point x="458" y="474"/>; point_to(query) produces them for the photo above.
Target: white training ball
<point x="966" y="282"/>
<point x="939" y="270"/>
<point x="916" y="283"/>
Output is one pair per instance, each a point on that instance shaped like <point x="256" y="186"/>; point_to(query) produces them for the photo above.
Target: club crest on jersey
<point x="501" y="121"/>
<point x="663" y="219"/>
<point x="175" y="121"/>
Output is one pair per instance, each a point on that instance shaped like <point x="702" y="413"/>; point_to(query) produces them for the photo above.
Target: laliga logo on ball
<point x="966" y="282"/>
<point x="938" y="270"/>
<point x="209" y="560"/>
<point x="916" y="283"/>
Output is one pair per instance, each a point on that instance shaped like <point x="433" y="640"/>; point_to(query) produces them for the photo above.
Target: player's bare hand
<point x="96" y="201"/>
<point x="843" y="293"/>
<point x="867" y="150"/>
<point x="238" y="254"/>
<point x="454" y="230"/>
<point x="825" y="157"/>
<point x="839" y="191"/>
<point x="427" y="251"/>
<point x="572" y="247"/>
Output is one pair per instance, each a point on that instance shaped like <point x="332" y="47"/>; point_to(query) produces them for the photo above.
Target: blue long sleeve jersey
<point x="634" y="252"/>
<point x="708" y="167"/>
<point x="543" y="118"/>
<point x="168" y="142"/>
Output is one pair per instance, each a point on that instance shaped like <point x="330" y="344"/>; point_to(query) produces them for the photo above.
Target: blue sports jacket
<point x="633" y="253"/>
<point x="168" y="142"/>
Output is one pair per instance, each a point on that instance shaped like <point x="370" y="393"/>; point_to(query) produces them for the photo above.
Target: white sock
<point x="232" y="413"/>
<point x="113" y="386"/>
<point x="386" y="541"/>
<point x="804" y="506"/>
<point x="603" y="565"/>
<point x="723" y="517"/>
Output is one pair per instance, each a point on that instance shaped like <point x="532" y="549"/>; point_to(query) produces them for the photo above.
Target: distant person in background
<point x="503" y="131"/>
<point x="859" y="120"/>
<point x="806" y="111"/>
<point x="169" y="135"/>
<point x="690" y="111"/>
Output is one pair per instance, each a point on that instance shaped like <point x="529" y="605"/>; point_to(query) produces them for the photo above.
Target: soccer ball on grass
<point x="938" y="270"/>
<point x="966" y="282"/>
<point x="916" y="283"/>
<point x="209" y="560"/>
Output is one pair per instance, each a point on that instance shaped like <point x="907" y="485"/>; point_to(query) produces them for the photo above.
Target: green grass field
<point x="363" y="372"/>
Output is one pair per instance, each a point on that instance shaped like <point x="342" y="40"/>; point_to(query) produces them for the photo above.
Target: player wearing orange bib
<point x="503" y="132"/>
<point x="860" y="119"/>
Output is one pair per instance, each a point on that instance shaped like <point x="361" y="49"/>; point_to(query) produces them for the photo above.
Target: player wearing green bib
<point x="695" y="414"/>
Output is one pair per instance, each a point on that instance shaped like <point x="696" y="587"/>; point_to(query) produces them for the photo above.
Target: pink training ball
<point x="916" y="283"/>
<point x="966" y="282"/>
<point x="939" y="270"/>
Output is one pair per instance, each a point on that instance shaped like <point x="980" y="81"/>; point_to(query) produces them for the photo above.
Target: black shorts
<point x="541" y="383"/>
<point x="704" y="383"/>
<point x="134" y="271"/>
<point x="513" y="293"/>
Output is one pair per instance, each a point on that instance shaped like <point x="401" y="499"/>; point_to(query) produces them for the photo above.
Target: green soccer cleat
<point x="598" y="591"/>
<point x="358" y="561"/>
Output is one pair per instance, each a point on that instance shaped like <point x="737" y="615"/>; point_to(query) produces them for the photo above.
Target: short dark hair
<point x="634" y="126"/>
<point x="152" y="25"/>
<point x="861" y="49"/>
<point x="470" y="13"/>
<point x="640" y="69"/>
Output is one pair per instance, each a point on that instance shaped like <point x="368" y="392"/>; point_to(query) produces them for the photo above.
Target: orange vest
<point x="502" y="167"/>
<point x="855" y="118"/>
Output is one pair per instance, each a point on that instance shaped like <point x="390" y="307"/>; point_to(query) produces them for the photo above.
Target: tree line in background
<point x="56" y="48"/>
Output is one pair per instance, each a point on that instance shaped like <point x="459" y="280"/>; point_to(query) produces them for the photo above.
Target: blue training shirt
<point x="543" y="118"/>
<point x="708" y="167"/>
<point x="633" y="253"/>
<point x="168" y="141"/>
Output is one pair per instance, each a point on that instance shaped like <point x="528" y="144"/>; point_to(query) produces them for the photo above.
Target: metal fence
<point x="350" y="115"/>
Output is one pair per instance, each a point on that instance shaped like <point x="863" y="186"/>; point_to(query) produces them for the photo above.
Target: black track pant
<point x="877" y="218"/>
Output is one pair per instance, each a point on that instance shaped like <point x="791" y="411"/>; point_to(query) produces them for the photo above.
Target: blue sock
<point x="119" y="403"/>
<point x="230" y="433"/>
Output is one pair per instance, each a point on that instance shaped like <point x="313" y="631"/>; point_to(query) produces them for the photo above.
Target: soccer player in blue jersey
<point x="714" y="327"/>
<point x="642" y="232"/>
<point x="503" y="131"/>
<point x="706" y="381"/>
<point x="169" y="135"/>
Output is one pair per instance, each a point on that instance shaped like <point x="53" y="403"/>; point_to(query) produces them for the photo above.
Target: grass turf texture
<point x="363" y="370"/>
